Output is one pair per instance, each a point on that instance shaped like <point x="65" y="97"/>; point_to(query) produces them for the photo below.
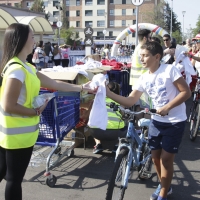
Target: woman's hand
<point x="41" y="108"/>
<point x="86" y="87"/>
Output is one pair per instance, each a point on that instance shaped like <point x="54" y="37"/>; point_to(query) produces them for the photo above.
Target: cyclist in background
<point x="168" y="91"/>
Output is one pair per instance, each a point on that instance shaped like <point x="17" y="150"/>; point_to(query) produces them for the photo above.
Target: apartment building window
<point x="100" y="2"/>
<point x="123" y="12"/>
<point x="110" y="33"/>
<point x="134" y="21"/>
<point x="88" y="12"/>
<point x="9" y="4"/>
<point x="112" y="23"/>
<point x="133" y="34"/>
<point x="101" y="23"/>
<point x="88" y="23"/>
<point x="112" y="12"/>
<point x="111" y="1"/>
<point x="55" y="13"/>
<point x="67" y="13"/>
<point x="100" y="34"/>
<point x="88" y="2"/>
<point x="123" y="1"/>
<point x="100" y="12"/>
<point x="55" y="3"/>
<point x="45" y="3"/>
<point x="28" y="4"/>
<point x="123" y="22"/>
<point x="67" y="3"/>
<point x="78" y="3"/>
<point x="78" y="23"/>
<point x="134" y="13"/>
<point x="78" y="13"/>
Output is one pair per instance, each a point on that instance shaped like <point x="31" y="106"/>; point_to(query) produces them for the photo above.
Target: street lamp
<point x="104" y="33"/>
<point x="183" y="12"/>
<point x="171" y="19"/>
<point x="59" y="23"/>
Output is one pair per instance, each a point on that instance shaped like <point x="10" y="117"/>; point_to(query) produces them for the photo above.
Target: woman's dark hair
<point x="15" y="38"/>
<point x="114" y="87"/>
<point x="154" y="48"/>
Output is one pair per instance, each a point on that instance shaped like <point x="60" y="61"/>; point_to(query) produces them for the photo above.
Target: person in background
<point x="106" y="52"/>
<point x="188" y="45"/>
<point x="169" y="48"/>
<point x="65" y="49"/>
<point x="193" y="51"/>
<point x="47" y="50"/>
<point x="41" y="55"/>
<point x="57" y="55"/>
<point x="156" y="39"/>
<point x="19" y="86"/>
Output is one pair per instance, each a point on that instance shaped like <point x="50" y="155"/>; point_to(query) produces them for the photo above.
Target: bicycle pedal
<point x="145" y="175"/>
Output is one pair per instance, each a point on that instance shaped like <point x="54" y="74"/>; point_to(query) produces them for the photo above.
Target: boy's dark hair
<point x="154" y="48"/>
<point x="156" y="39"/>
<point x="167" y="35"/>
<point x="114" y="87"/>
<point x="143" y="33"/>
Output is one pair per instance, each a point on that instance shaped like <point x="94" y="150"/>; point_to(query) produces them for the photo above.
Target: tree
<point x="195" y="31"/>
<point x="70" y="36"/>
<point x="38" y="6"/>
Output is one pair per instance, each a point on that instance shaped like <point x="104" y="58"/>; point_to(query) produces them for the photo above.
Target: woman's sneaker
<point x="155" y="195"/>
<point x="98" y="149"/>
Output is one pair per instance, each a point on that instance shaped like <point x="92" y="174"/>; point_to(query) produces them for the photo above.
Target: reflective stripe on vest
<point x="20" y="131"/>
<point x="136" y="67"/>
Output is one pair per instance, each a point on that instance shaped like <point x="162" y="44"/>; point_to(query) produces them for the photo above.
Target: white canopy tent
<point x="6" y="19"/>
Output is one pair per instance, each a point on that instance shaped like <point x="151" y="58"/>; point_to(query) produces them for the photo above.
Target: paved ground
<point x="85" y="176"/>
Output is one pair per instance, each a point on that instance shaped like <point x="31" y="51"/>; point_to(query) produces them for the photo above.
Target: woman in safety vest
<point x="19" y="127"/>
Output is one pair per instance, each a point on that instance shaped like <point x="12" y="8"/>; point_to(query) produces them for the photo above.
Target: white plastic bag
<point x="41" y="99"/>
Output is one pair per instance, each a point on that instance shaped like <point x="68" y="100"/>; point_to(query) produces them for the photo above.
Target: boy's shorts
<point x="166" y="136"/>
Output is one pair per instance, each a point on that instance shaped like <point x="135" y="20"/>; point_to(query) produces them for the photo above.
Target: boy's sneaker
<point x="155" y="195"/>
<point x="98" y="149"/>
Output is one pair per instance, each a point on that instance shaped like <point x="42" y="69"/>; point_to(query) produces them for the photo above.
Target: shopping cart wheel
<point x="71" y="154"/>
<point x="51" y="180"/>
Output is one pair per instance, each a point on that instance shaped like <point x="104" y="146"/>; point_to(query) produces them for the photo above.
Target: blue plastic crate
<point x="59" y="117"/>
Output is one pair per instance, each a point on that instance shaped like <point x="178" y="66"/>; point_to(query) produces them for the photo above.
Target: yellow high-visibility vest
<point x="136" y="68"/>
<point x="114" y="121"/>
<point x="17" y="131"/>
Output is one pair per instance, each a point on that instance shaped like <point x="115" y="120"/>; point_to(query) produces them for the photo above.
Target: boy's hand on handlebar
<point x="163" y="111"/>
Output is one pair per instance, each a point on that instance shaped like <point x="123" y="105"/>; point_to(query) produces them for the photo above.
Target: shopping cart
<point x="59" y="117"/>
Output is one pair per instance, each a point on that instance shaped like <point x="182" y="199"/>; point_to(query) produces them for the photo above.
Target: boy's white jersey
<point x="159" y="86"/>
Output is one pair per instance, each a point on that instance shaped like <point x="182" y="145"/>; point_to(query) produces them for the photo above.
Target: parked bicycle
<point x="133" y="153"/>
<point x="194" y="117"/>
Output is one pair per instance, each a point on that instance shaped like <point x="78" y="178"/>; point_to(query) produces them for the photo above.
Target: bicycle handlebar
<point x="129" y="112"/>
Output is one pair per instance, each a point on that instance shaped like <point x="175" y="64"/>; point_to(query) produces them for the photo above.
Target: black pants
<point x="57" y="62"/>
<point x="65" y="62"/>
<point x="13" y="165"/>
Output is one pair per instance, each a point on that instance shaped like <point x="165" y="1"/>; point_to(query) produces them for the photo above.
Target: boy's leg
<point x="156" y="154"/>
<point x="166" y="164"/>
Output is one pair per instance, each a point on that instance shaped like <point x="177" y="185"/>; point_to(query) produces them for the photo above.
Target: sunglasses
<point x="166" y="40"/>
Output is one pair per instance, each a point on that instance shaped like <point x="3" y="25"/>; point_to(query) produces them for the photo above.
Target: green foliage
<point x="195" y="31"/>
<point x="177" y="36"/>
<point x="70" y="36"/>
<point x="38" y="6"/>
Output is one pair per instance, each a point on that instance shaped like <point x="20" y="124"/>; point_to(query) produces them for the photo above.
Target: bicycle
<point x="133" y="153"/>
<point x="194" y="116"/>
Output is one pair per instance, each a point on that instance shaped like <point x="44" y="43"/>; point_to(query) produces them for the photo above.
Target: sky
<point x="192" y="8"/>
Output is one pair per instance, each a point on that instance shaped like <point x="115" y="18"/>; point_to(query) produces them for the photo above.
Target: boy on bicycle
<point x="168" y="91"/>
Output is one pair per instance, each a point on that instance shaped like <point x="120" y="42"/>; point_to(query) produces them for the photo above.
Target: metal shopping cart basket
<point x="59" y="117"/>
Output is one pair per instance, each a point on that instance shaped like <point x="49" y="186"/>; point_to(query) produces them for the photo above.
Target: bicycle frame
<point x="133" y="153"/>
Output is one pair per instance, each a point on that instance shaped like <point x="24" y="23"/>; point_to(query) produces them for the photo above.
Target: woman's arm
<point x="10" y="97"/>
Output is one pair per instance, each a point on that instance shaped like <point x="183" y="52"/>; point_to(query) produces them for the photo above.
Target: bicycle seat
<point x="143" y="122"/>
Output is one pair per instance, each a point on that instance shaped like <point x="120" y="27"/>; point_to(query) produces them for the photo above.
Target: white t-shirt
<point x="40" y="53"/>
<point x="20" y="75"/>
<point x="159" y="86"/>
<point x="197" y="64"/>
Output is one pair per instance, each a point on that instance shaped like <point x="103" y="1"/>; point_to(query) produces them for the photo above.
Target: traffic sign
<point x="59" y="24"/>
<point x="137" y="2"/>
<point x="88" y="31"/>
<point x="88" y="41"/>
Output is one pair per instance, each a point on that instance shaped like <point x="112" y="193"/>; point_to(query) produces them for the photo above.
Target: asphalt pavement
<point x="85" y="176"/>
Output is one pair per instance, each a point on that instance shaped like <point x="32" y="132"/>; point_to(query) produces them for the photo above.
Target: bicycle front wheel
<point x="115" y="190"/>
<point x="194" y="128"/>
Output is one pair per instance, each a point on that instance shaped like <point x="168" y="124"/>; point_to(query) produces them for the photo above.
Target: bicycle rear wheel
<point x="194" y="124"/>
<point x="115" y="190"/>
